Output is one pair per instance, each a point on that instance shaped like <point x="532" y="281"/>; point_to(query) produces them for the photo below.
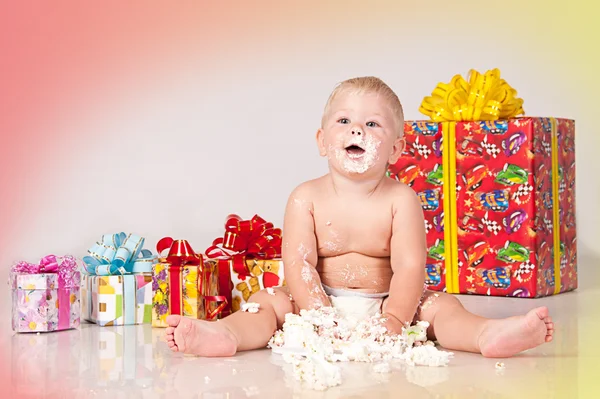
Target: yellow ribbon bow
<point x="485" y="97"/>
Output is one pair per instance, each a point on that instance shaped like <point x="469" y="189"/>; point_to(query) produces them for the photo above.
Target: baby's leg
<point x="455" y="328"/>
<point x="237" y="332"/>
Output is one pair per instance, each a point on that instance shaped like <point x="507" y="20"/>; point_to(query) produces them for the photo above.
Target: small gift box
<point x="183" y="285"/>
<point x="497" y="191"/>
<point x="45" y="297"/>
<point x="177" y="281"/>
<point x="117" y="287"/>
<point x="248" y="259"/>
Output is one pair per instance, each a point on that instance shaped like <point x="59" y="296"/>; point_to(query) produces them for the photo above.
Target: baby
<point x="354" y="239"/>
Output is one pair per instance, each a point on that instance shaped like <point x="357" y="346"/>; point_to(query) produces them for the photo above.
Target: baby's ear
<point x="397" y="149"/>
<point x="321" y="142"/>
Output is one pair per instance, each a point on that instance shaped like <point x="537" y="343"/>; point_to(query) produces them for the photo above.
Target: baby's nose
<point x="356" y="131"/>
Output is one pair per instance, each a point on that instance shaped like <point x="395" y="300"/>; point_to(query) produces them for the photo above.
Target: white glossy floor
<point x="134" y="362"/>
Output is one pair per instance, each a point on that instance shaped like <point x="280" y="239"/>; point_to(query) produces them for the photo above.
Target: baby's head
<point x="362" y="127"/>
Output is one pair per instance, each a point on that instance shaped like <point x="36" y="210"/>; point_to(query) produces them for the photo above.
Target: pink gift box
<point x="45" y="297"/>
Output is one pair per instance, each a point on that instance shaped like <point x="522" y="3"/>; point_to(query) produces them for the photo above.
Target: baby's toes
<point x="549" y="332"/>
<point x="173" y="346"/>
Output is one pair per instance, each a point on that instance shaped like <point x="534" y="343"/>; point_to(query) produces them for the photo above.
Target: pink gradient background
<point x="65" y="63"/>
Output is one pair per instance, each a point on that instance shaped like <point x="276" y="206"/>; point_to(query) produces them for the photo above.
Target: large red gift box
<point x="499" y="203"/>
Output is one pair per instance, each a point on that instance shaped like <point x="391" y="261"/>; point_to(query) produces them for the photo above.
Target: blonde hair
<point x="368" y="84"/>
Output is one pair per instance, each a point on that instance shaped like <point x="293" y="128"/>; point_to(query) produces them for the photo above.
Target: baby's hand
<point x="392" y="323"/>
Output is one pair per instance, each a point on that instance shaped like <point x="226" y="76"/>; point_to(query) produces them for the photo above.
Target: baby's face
<point x="360" y="135"/>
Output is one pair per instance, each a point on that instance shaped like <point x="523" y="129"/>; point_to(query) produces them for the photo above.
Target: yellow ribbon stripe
<point x="484" y="97"/>
<point x="447" y="221"/>
<point x="450" y="213"/>
<point x="451" y="216"/>
<point x="555" y="207"/>
<point x="453" y="212"/>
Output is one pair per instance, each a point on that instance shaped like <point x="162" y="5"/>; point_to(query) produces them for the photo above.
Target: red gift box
<point x="499" y="203"/>
<point x="246" y="243"/>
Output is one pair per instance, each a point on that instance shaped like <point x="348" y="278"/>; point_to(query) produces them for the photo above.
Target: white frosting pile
<point x="426" y="355"/>
<point x="314" y="340"/>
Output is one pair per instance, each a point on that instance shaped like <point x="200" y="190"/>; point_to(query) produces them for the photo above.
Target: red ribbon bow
<point x="254" y="238"/>
<point x="180" y="252"/>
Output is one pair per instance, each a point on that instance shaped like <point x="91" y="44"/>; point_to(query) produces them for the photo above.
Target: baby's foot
<point x="199" y="337"/>
<point x="507" y="337"/>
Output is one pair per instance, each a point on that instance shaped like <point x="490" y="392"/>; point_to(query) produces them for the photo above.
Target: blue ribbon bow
<point x="119" y="254"/>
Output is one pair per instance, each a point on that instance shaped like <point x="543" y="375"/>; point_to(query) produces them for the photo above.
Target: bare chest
<point x="345" y="226"/>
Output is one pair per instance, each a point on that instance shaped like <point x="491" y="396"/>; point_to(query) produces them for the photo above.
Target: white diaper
<point x="359" y="305"/>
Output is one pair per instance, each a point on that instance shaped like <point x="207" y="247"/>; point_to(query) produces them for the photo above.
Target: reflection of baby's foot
<point x="507" y="337"/>
<point x="199" y="337"/>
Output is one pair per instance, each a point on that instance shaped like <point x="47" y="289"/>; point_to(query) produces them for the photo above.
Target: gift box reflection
<point x="118" y="355"/>
<point x="45" y="365"/>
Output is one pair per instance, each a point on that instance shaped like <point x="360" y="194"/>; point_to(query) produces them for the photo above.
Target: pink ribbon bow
<point x="49" y="264"/>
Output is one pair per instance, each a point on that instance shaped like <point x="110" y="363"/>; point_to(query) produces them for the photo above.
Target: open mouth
<point x="354" y="150"/>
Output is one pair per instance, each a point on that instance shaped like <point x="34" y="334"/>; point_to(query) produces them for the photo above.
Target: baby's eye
<point x="343" y="120"/>
<point x="372" y="124"/>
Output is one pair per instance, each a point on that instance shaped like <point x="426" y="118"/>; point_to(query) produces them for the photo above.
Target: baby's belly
<point x="355" y="271"/>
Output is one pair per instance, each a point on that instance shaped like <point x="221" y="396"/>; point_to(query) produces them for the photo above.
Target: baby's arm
<point x="299" y="251"/>
<point x="408" y="257"/>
